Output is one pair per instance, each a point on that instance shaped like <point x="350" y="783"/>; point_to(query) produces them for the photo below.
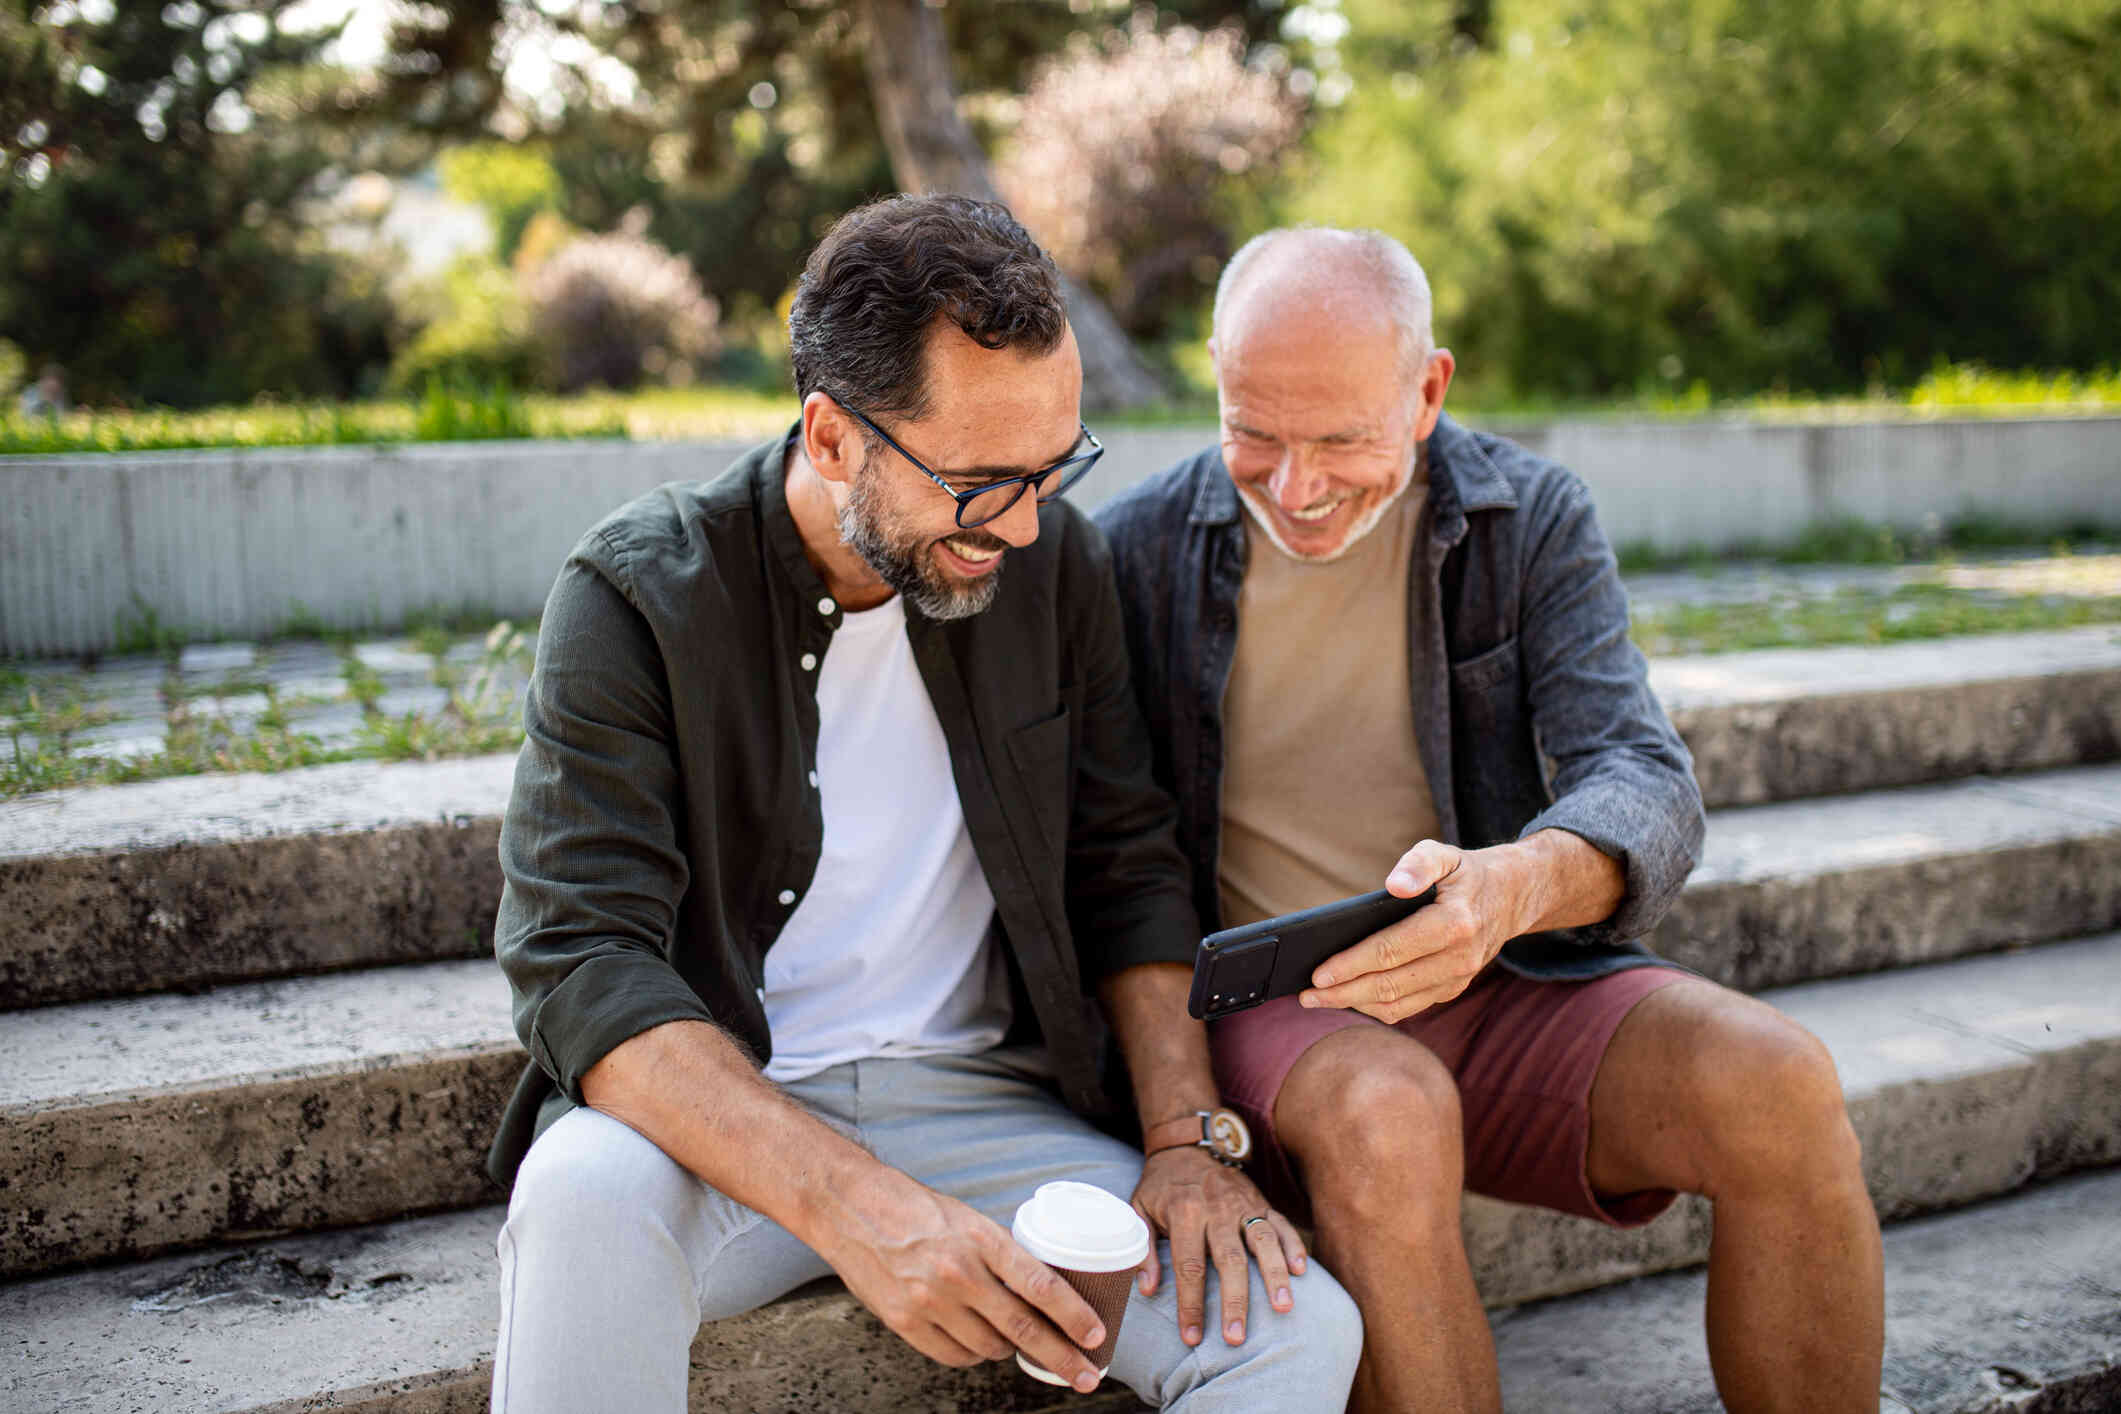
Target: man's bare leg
<point x="1371" y="1120"/>
<point x="1708" y="1091"/>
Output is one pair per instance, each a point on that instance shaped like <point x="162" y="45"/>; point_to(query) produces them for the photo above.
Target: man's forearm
<point x="1561" y="880"/>
<point x="1166" y="1049"/>
<point x="946" y="1279"/>
<point x="693" y="1092"/>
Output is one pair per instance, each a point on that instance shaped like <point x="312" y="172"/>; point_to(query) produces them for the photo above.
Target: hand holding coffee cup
<point x="1094" y="1241"/>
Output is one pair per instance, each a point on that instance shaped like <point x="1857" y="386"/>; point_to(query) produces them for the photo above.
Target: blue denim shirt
<point x="1541" y="716"/>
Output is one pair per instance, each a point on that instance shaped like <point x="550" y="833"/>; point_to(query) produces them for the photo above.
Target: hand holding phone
<point x="1242" y="967"/>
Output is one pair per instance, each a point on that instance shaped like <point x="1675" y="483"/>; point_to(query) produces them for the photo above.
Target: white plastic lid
<point x="1081" y="1227"/>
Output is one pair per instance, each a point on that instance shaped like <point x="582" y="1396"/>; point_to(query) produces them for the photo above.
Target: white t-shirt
<point x="888" y="954"/>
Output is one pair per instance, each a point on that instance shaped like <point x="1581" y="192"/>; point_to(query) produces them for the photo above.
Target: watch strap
<point x="1179" y="1133"/>
<point x="1219" y="1131"/>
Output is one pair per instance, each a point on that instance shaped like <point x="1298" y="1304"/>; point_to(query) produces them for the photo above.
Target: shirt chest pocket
<point x="1039" y="753"/>
<point x="1487" y="693"/>
<point x="1496" y="763"/>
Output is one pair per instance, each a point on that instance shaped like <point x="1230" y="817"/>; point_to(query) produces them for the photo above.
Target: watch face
<point x="1228" y="1137"/>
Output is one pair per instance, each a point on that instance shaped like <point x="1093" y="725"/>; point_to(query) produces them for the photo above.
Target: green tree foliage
<point x="1758" y="195"/>
<point x="475" y="329"/>
<point x="510" y="182"/>
<point x="749" y="127"/>
<point x="147" y="231"/>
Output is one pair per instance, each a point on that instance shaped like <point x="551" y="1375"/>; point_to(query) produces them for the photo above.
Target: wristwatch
<point x="1221" y="1132"/>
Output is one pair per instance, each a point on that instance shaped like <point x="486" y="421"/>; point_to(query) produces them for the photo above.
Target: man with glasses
<point x="834" y="805"/>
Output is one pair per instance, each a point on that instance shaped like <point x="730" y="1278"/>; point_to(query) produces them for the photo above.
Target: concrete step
<point x="1789" y="723"/>
<point x="134" y="1127"/>
<point x="1806" y="889"/>
<point x="2009" y="1305"/>
<point x="199" y="880"/>
<point x="399" y="1319"/>
<point x="2014" y="1305"/>
<point x="190" y="883"/>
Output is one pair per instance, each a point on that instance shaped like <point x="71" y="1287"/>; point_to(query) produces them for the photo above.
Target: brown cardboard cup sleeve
<point x="1095" y="1241"/>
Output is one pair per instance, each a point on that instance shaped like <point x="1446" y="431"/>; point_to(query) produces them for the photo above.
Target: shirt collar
<point x="1462" y="478"/>
<point x="769" y="480"/>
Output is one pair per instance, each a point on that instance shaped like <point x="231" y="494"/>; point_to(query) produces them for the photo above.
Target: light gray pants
<point x="613" y="1254"/>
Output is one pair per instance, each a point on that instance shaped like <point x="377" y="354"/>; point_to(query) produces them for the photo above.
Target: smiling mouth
<point x="970" y="552"/>
<point x="1312" y="514"/>
<point x="1320" y="511"/>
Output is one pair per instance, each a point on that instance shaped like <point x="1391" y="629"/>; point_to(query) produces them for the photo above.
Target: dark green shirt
<point x="663" y="825"/>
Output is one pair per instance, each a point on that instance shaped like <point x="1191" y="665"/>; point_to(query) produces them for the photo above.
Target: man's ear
<point x="831" y="439"/>
<point x="1435" y="382"/>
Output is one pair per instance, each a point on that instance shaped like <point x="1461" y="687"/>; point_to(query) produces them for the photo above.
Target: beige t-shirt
<point x="1323" y="787"/>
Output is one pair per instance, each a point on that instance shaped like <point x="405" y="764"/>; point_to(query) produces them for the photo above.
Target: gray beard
<point x="909" y="570"/>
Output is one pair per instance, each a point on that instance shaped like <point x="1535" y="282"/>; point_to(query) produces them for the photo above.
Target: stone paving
<point x="339" y="696"/>
<point x="2096" y="573"/>
<point x="345" y="695"/>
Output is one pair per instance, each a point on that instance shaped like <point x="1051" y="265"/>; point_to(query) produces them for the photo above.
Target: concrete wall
<point x="239" y="543"/>
<point x="1678" y="486"/>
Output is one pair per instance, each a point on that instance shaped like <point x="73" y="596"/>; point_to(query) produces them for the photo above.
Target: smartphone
<point x="1242" y="967"/>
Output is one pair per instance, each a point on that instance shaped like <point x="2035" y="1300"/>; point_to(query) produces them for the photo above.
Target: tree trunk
<point x="932" y="149"/>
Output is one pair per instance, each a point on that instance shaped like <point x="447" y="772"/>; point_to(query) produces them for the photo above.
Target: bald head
<point x="1327" y="383"/>
<point x="1358" y="277"/>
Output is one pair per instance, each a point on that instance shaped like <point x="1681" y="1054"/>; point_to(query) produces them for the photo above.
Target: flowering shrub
<point x="614" y="309"/>
<point x="1127" y="158"/>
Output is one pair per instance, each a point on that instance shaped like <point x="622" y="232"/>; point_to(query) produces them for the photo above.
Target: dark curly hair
<point x="886" y="271"/>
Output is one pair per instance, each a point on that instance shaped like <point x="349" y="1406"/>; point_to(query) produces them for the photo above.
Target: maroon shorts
<point x="1524" y="1054"/>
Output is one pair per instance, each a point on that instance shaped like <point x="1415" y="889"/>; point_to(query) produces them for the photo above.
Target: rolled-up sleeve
<point x="590" y="858"/>
<point x="1622" y="778"/>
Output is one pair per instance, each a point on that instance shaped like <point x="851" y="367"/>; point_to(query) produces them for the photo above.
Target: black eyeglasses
<point x="982" y="504"/>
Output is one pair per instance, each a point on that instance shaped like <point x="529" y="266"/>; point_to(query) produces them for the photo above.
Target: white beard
<point x="1265" y="520"/>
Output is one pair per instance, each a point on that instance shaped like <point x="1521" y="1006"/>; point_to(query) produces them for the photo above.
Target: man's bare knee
<point x="1773" y="1114"/>
<point x="1373" y="1122"/>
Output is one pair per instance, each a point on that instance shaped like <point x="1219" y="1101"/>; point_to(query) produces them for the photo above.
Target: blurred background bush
<point x="607" y="311"/>
<point x="1133" y="158"/>
<point x="1673" y="202"/>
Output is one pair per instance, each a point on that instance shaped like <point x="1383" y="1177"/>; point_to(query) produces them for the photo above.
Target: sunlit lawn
<point x="654" y="415"/>
<point x="720" y="412"/>
<point x="1951" y="603"/>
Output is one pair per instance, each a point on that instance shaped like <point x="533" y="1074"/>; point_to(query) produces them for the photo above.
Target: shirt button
<point x="809" y="661"/>
<point x="825" y="606"/>
<point x="813" y="780"/>
<point x="787" y="896"/>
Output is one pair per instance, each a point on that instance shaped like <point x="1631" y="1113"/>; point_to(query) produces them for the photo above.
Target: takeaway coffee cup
<point x="1095" y="1241"/>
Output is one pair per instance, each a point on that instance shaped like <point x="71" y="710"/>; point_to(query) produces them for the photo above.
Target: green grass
<point x="1960" y="390"/>
<point x="197" y="745"/>
<point x="461" y="414"/>
<point x="741" y="413"/>
<point x="45" y="717"/>
<point x="1862" y="616"/>
<point x="140" y="631"/>
<point x="1859" y="542"/>
<point x="42" y="724"/>
<point x="480" y="715"/>
<point x="242" y="683"/>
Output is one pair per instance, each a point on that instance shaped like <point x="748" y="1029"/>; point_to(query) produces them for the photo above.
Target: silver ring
<point x="1246" y="1225"/>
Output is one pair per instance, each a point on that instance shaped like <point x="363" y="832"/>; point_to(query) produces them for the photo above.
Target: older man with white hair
<point x="1379" y="650"/>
